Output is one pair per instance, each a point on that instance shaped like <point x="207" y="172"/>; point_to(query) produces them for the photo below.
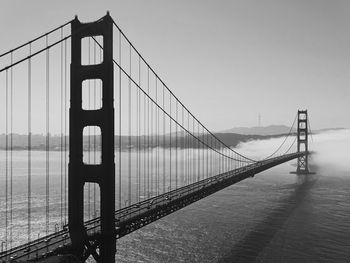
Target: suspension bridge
<point x="108" y="147"/>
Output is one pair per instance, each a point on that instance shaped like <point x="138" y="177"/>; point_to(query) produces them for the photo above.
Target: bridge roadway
<point x="133" y="217"/>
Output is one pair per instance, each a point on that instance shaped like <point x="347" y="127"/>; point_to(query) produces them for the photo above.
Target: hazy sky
<point x="227" y="61"/>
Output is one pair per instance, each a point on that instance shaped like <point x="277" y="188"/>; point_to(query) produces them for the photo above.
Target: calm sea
<point x="274" y="217"/>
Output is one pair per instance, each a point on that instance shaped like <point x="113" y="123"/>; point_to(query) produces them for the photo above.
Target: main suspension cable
<point x="310" y="131"/>
<point x="290" y="147"/>
<point x="35" y="39"/>
<point x="139" y="54"/>
<point x="29" y="44"/>
<point x="285" y="139"/>
<point x="34" y="54"/>
<point x="150" y="99"/>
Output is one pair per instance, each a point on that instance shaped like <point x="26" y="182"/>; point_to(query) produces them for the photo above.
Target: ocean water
<point x="274" y="217"/>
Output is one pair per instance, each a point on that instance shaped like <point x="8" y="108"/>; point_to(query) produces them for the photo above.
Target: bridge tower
<point x="103" y="247"/>
<point x="302" y="142"/>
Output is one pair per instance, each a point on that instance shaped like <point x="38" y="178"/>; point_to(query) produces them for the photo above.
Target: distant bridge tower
<point x="102" y="247"/>
<point x="302" y="141"/>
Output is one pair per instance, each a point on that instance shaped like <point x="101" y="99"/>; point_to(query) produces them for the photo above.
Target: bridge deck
<point x="143" y="213"/>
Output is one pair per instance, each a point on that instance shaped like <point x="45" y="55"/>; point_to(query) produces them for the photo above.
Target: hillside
<point x="260" y="130"/>
<point x="38" y="142"/>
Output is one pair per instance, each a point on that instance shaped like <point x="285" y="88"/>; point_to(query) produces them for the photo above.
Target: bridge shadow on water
<point x="249" y="248"/>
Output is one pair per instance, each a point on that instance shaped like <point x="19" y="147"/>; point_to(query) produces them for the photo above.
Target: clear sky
<point x="226" y="60"/>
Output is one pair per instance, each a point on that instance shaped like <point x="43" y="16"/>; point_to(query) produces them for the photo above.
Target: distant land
<point x="260" y="130"/>
<point x="231" y="138"/>
<point x="38" y="142"/>
<point x="270" y="130"/>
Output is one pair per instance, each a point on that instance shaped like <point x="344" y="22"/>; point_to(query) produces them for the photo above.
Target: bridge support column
<point x="302" y="142"/>
<point x="102" y="248"/>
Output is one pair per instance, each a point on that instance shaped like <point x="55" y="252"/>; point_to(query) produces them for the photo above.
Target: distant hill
<point x="183" y="141"/>
<point x="231" y="137"/>
<point x="329" y="129"/>
<point x="264" y="131"/>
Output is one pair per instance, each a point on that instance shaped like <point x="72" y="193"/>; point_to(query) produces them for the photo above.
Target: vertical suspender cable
<point x="176" y="151"/>
<point x="202" y="174"/>
<point x="224" y="160"/>
<point x="199" y="153"/>
<point x="11" y="151"/>
<point x="144" y="146"/>
<point x="120" y="123"/>
<point x="148" y="135"/>
<point x="151" y="144"/>
<point x="137" y="143"/>
<point x="29" y="141"/>
<point x="65" y="131"/>
<point x="129" y="131"/>
<point x="188" y="150"/>
<point x="143" y="141"/>
<point x="170" y="135"/>
<point x="154" y="146"/>
<point x="47" y="136"/>
<point x="157" y="139"/>
<point x="194" y="166"/>
<point x="220" y="158"/>
<point x="164" y="142"/>
<point x="190" y="153"/>
<point x="204" y="151"/>
<point x="61" y="137"/>
<point x="216" y="160"/>
<point x="201" y="163"/>
<point x="182" y="149"/>
<point x="211" y="157"/>
<point x="6" y="163"/>
<point x="138" y="132"/>
<point x="207" y="152"/>
<point x="228" y="160"/>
